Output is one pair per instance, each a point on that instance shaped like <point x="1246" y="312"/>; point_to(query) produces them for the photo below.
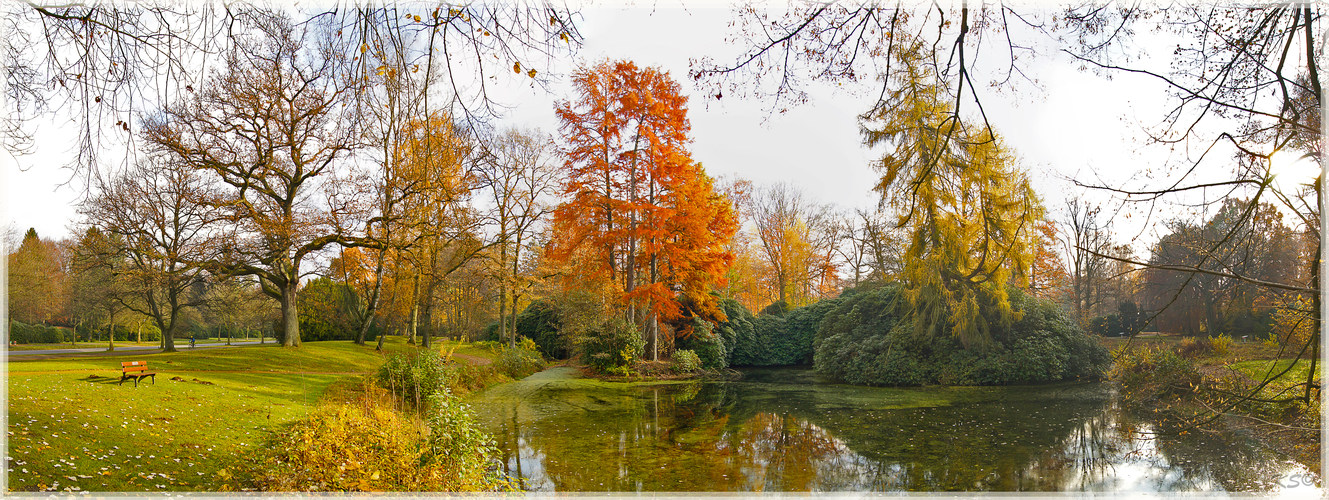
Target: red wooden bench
<point x="136" y="370"/>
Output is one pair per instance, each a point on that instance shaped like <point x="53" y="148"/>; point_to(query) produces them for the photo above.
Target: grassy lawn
<point x="120" y="343"/>
<point x="72" y="427"/>
<point x="1238" y="351"/>
<point x="465" y="348"/>
<point x="79" y="345"/>
<point x="1259" y="369"/>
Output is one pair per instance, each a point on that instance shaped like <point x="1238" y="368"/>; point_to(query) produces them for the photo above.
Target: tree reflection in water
<point x="782" y="430"/>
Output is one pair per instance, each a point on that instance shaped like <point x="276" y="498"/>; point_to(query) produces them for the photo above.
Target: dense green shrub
<point x="868" y="338"/>
<point x="520" y="361"/>
<point x="738" y="319"/>
<point x="1128" y="320"/>
<point x="323" y="311"/>
<point x="489" y="333"/>
<point x="751" y="347"/>
<point x="613" y="346"/>
<point x="777" y="308"/>
<point x="1248" y="323"/>
<point x="712" y="342"/>
<point x="707" y="343"/>
<point x="686" y="361"/>
<point x="540" y="323"/>
<point x="24" y="333"/>
<point x="780" y="339"/>
<point x="414" y="376"/>
<point x="129" y="333"/>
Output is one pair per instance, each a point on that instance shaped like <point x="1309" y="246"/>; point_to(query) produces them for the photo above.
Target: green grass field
<point x="72" y="428"/>
<point x="79" y="345"/>
<point x="1259" y="369"/>
<point x="179" y="343"/>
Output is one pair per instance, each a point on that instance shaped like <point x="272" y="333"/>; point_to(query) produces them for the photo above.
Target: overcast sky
<point x="1070" y="123"/>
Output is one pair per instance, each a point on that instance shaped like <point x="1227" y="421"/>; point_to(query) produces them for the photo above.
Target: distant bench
<point x="136" y="370"/>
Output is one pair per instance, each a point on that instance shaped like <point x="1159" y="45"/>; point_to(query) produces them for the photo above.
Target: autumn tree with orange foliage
<point x="640" y="213"/>
<point x="1047" y="273"/>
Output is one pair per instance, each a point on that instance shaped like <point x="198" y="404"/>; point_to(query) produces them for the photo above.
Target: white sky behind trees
<point x="1069" y="124"/>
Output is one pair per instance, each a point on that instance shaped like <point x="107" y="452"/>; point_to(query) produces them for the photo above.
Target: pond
<point x="785" y="430"/>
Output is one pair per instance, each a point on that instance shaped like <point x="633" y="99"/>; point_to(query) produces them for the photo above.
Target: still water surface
<point x="786" y="430"/>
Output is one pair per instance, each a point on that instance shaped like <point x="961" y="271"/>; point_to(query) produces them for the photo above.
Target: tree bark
<point x="290" y="316"/>
<point x="168" y="336"/>
<point x="415" y="307"/>
<point x="503" y="295"/>
<point x="428" y="314"/>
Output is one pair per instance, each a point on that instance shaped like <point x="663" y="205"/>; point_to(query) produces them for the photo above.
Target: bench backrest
<point x="134" y="366"/>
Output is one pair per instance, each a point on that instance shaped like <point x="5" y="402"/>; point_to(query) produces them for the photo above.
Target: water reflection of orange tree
<point x="783" y="451"/>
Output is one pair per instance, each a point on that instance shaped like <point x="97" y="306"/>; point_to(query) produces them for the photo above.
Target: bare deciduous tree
<point x="269" y="128"/>
<point x="158" y="211"/>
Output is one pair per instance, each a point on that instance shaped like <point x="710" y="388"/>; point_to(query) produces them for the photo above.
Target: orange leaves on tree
<point x="639" y="211"/>
<point x="1047" y="273"/>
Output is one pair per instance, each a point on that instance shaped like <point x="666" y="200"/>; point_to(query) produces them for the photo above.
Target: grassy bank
<point x="1222" y="387"/>
<point x="72" y="428"/>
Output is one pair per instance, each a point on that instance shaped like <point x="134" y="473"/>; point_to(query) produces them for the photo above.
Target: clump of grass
<point x="365" y="445"/>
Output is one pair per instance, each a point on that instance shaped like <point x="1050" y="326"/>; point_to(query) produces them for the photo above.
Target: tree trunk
<point x="168" y="336"/>
<point x="290" y="316"/>
<point x="372" y="306"/>
<point x="110" y="339"/>
<point x="427" y="332"/>
<point x="1317" y="326"/>
<point x="503" y="333"/>
<point x="414" y="326"/>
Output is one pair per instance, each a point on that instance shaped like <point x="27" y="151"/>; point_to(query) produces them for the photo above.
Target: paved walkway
<point x="179" y="346"/>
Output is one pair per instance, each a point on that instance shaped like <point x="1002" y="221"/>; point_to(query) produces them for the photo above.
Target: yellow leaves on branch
<point x="971" y="213"/>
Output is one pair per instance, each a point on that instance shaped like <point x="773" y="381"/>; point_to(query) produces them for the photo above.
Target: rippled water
<point x="786" y="430"/>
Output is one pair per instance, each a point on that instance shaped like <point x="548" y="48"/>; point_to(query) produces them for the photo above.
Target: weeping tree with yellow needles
<point x="970" y="213"/>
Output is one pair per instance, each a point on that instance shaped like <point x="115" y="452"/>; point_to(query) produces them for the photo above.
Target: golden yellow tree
<point x="971" y="213"/>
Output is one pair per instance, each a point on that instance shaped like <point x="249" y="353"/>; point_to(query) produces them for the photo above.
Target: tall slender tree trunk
<point x="503" y="333"/>
<point x="372" y="306"/>
<point x="1316" y="328"/>
<point x="654" y="325"/>
<point x="110" y="339"/>
<point x="655" y="320"/>
<point x="414" y="326"/>
<point x="427" y="312"/>
<point x="631" y="268"/>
